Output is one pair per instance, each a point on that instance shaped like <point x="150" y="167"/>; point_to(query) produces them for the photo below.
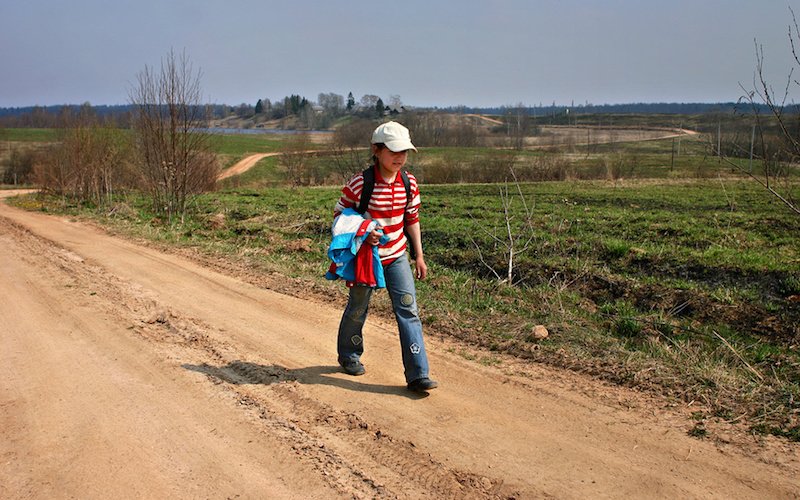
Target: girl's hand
<point x="421" y="269"/>
<point x="374" y="237"/>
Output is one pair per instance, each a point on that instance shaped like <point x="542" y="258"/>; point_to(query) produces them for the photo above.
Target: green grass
<point x="29" y="134"/>
<point x="233" y="145"/>
<point x="241" y="145"/>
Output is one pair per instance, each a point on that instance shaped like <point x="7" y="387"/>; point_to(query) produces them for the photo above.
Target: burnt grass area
<point x="770" y="310"/>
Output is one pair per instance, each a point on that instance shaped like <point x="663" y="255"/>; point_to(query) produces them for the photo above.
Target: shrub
<point x="19" y="167"/>
<point x="89" y="165"/>
<point x="355" y="133"/>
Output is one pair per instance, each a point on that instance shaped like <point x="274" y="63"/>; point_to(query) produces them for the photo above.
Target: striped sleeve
<point x="412" y="209"/>
<point x="351" y="194"/>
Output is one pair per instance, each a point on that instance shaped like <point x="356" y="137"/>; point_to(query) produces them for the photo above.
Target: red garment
<point x="365" y="273"/>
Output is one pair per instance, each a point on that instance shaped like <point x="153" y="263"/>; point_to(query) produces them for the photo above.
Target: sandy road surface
<point x="135" y="373"/>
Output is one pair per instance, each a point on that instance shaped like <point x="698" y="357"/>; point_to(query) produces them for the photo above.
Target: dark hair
<point x="380" y="146"/>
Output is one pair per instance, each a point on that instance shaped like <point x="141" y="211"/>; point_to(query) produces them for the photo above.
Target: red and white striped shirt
<point x="388" y="207"/>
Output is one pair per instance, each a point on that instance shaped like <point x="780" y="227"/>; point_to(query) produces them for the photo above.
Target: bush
<point x="19" y="167"/>
<point x="436" y="129"/>
<point x="453" y="167"/>
<point x="89" y="164"/>
<point x="355" y="133"/>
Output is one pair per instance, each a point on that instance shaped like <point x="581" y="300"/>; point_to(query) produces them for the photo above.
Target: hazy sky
<point x="430" y="52"/>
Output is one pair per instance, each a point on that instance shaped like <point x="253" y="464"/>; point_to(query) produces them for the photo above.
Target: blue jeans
<point x="400" y="284"/>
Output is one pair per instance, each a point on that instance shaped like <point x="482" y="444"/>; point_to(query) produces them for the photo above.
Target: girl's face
<point x="389" y="162"/>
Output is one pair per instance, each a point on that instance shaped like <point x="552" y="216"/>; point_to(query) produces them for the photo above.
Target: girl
<point x="398" y="217"/>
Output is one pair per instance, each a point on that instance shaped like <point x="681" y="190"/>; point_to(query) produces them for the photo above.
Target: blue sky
<point x="431" y="53"/>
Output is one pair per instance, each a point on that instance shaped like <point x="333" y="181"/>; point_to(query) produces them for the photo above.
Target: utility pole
<point x="672" y="160"/>
<point x="752" y="141"/>
<point x="588" y="140"/>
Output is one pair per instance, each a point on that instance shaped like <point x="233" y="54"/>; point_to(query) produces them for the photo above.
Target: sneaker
<point x="422" y="385"/>
<point x="353" y="367"/>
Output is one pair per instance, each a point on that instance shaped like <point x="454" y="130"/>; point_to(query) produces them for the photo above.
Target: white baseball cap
<point x="394" y="136"/>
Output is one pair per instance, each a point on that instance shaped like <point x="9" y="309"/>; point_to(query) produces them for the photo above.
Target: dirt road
<point x="132" y="373"/>
<point x="244" y="165"/>
<point x="250" y="161"/>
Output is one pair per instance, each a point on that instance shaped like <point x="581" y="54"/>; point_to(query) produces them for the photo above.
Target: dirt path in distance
<point x="244" y="165"/>
<point x="130" y="372"/>
<point x="249" y="162"/>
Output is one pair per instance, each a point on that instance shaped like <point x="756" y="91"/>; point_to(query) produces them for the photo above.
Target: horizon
<point x="412" y="106"/>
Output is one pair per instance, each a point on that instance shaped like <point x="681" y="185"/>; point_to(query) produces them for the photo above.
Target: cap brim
<point x="398" y="146"/>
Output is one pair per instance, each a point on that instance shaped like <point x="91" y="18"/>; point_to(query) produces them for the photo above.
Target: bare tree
<point x="368" y="103"/>
<point x="174" y="152"/>
<point x="349" y="148"/>
<point x="19" y="166"/>
<point x="347" y="160"/>
<point x="296" y="159"/>
<point x="355" y="133"/>
<point x="515" y="237"/>
<point x="90" y="162"/>
<point x="439" y="129"/>
<point x="516" y="125"/>
<point x="332" y="103"/>
<point x="778" y="160"/>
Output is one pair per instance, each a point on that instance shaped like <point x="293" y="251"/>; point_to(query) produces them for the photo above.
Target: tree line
<point x="307" y="114"/>
<point x="661" y="108"/>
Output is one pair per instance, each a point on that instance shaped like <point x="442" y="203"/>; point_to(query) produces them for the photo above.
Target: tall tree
<point x="351" y="101"/>
<point x="368" y="102"/>
<point x="295" y="104"/>
<point x="175" y="159"/>
<point x="379" y="107"/>
<point x="331" y="103"/>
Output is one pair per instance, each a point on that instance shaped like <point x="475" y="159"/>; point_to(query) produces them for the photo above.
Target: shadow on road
<point x="243" y="372"/>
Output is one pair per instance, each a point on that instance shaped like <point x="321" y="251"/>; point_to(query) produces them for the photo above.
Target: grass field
<point x="230" y="148"/>
<point x="669" y="273"/>
<point x="29" y="134"/>
<point x="240" y="145"/>
<point x="222" y="144"/>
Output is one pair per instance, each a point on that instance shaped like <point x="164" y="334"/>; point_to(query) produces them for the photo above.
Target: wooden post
<point x="752" y="141"/>
<point x="672" y="160"/>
